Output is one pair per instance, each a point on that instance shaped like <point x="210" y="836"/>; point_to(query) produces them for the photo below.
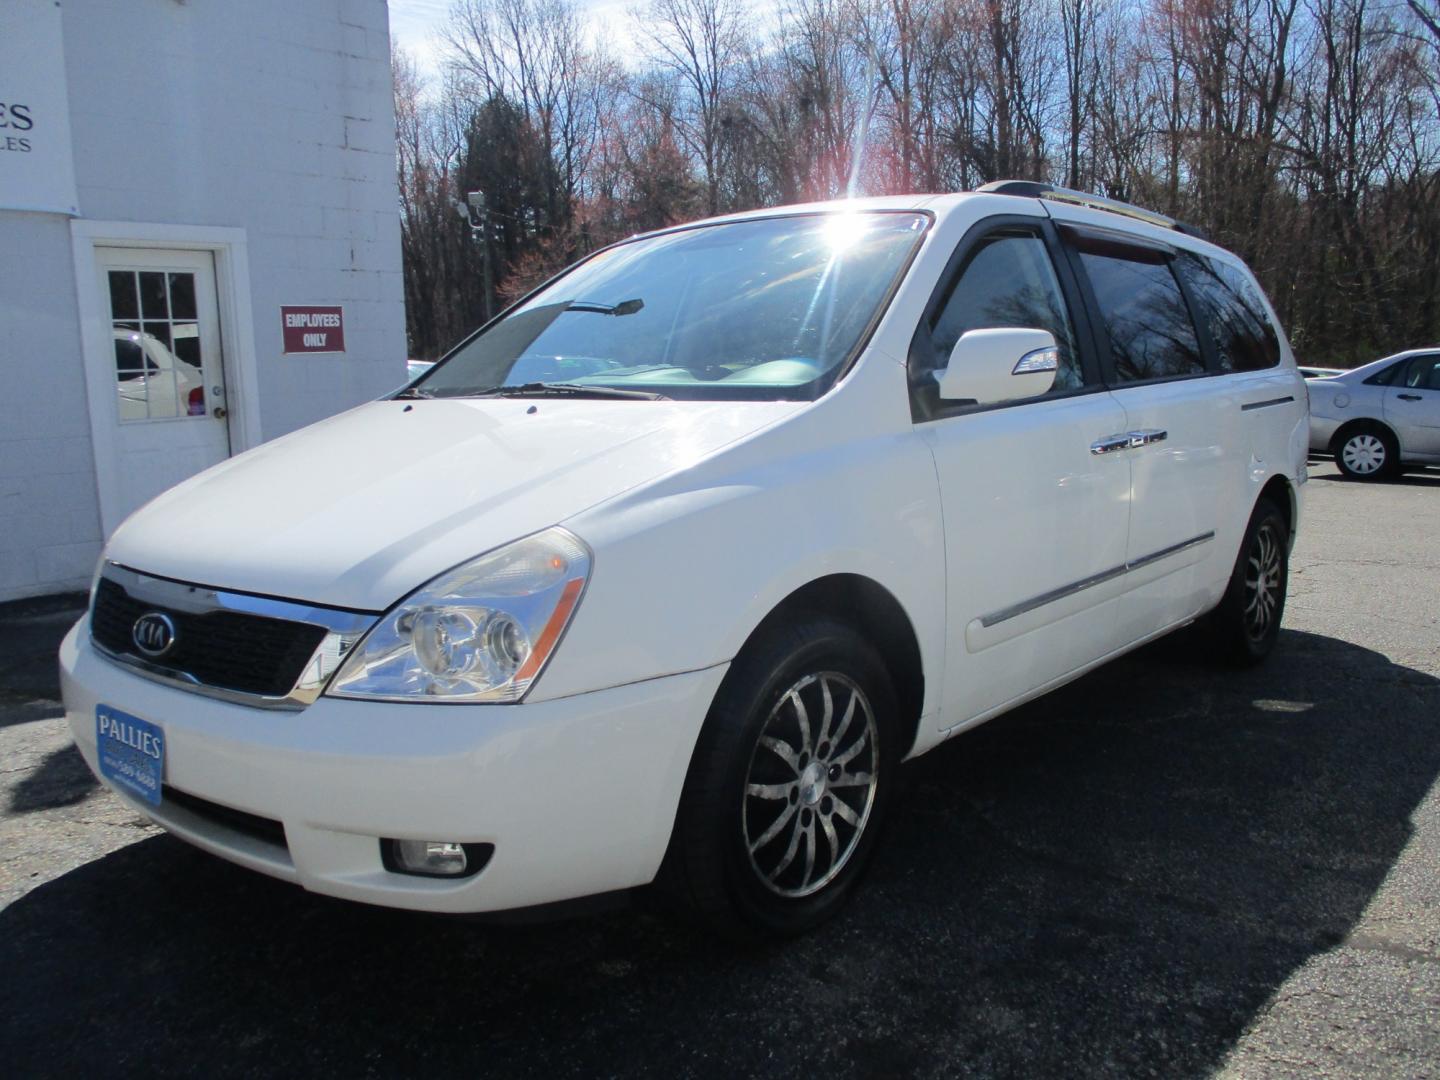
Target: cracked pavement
<point x="1164" y="869"/>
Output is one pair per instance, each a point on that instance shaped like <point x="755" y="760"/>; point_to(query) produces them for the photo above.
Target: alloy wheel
<point x="811" y="784"/>
<point x="1264" y="570"/>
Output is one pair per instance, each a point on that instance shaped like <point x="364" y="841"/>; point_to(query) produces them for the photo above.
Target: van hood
<point x="361" y="509"/>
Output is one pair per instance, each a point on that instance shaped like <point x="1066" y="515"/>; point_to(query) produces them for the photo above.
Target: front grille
<point x="231" y="650"/>
<point x="227" y="817"/>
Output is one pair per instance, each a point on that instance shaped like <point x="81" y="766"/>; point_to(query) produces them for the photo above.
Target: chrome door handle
<point x="1146" y="436"/>
<point x="1108" y="444"/>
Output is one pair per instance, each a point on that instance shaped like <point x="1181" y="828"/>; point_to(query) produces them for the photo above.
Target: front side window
<point x="770" y="308"/>
<point x="1144" y="311"/>
<point x="1235" y="315"/>
<point x="1009" y="281"/>
<point x="1423" y="373"/>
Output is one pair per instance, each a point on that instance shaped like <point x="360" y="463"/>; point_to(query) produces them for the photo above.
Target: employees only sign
<point x="309" y="329"/>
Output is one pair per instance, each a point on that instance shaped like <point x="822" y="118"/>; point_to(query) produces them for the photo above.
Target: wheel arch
<point x="1281" y="492"/>
<point x="874" y="610"/>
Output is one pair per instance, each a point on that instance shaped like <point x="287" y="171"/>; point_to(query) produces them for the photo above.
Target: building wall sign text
<point x="37" y="167"/>
<point x="313" y="329"/>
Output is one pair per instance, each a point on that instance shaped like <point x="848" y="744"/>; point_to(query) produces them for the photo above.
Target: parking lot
<point x="1163" y="869"/>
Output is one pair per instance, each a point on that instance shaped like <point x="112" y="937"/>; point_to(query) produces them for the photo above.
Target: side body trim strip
<point x="1016" y="610"/>
<point x="1266" y="404"/>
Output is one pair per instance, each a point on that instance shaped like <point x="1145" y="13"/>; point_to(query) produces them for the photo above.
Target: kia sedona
<point x="658" y="578"/>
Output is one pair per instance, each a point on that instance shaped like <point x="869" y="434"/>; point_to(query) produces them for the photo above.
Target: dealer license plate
<point x="132" y="753"/>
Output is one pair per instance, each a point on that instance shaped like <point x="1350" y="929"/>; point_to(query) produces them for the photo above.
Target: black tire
<point x="1246" y="624"/>
<point x="719" y="866"/>
<point x="1367" y="451"/>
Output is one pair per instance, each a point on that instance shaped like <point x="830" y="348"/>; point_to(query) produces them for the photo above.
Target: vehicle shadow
<point x="1426" y="479"/>
<point x="1413" y="476"/>
<point x="1113" y="880"/>
<point x="62" y="779"/>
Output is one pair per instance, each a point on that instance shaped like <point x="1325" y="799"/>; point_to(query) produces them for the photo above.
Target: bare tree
<point x="701" y="43"/>
<point x="1304" y="134"/>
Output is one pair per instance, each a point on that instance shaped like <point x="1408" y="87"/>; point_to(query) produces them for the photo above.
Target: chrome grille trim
<point x="343" y="630"/>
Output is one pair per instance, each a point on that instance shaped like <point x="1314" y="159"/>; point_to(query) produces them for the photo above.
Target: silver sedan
<point x="1379" y="418"/>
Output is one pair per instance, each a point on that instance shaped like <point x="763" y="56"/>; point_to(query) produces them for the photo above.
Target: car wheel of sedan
<point x="789" y="783"/>
<point x="1367" y="453"/>
<point x="1246" y="625"/>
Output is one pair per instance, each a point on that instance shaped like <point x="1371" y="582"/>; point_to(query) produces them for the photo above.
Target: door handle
<point x="1108" y="444"/>
<point x="1146" y="436"/>
<point x="1410" y="397"/>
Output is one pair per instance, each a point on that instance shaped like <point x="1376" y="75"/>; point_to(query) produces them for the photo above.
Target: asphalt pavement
<point x="1164" y="869"/>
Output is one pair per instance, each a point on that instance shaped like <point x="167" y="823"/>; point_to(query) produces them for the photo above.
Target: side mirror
<point x="990" y="366"/>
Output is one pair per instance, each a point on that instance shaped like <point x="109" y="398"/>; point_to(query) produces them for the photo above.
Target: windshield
<point x="769" y="309"/>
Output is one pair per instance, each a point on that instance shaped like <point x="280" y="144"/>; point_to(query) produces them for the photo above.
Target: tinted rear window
<point x="1234" y="313"/>
<point x="1144" y="311"/>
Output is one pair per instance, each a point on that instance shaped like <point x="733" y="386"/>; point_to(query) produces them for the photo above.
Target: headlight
<point x="480" y="632"/>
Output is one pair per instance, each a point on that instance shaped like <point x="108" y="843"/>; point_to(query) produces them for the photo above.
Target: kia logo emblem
<point x="153" y="633"/>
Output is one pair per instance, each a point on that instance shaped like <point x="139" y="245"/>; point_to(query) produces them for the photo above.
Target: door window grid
<point x="158" y="363"/>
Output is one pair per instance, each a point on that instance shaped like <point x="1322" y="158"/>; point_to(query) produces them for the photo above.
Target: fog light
<point x="430" y="857"/>
<point x="434" y="858"/>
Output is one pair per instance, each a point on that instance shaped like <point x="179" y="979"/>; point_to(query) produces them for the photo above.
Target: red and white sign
<point x="310" y="329"/>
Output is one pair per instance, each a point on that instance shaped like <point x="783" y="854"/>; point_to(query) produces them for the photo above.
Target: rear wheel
<point x="1246" y="625"/>
<point x="789" y="783"/>
<point x="1367" y="452"/>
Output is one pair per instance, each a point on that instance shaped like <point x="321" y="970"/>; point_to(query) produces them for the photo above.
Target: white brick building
<point x="172" y="173"/>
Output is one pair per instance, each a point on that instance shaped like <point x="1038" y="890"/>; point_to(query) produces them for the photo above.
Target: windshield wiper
<point x="625" y="307"/>
<point x="557" y="389"/>
<point x="411" y="392"/>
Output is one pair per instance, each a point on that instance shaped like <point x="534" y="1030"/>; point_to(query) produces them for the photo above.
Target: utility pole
<point x="480" y="225"/>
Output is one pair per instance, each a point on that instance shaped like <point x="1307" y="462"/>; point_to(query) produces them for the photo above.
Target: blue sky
<point x="413" y="23"/>
<point x="411" y="26"/>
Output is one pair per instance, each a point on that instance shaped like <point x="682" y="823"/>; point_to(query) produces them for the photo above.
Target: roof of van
<point x="1096" y="214"/>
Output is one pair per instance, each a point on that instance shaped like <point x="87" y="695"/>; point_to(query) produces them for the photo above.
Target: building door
<point x="166" y="368"/>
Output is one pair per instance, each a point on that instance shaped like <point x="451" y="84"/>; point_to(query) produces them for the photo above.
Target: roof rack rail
<point x="1034" y="189"/>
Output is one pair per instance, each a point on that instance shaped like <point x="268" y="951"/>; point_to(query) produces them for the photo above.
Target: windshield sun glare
<point x="766" y="308"/>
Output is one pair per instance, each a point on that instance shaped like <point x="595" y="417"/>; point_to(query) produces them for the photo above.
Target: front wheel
<point x="789" y="783"/>
<point x="1246" y="625"/>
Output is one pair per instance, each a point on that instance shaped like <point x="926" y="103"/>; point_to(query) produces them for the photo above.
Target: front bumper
<point x="578" y="795"/>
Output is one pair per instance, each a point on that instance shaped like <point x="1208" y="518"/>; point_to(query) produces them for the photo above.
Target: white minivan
<point x="660" y="576"/>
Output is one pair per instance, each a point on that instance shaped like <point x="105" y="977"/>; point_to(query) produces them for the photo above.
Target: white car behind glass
<point x="152" y="382"/>
<point x="660" y="576"/>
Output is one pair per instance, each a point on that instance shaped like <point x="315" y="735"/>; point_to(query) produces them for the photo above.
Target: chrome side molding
<point x="1026" y="606"/>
